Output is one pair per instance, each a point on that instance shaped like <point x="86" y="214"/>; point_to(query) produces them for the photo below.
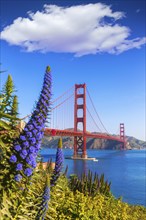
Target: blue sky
<point x="100" y="43"/>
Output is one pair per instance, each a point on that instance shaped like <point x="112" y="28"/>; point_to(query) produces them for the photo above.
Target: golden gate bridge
<point x="71" y="108"/>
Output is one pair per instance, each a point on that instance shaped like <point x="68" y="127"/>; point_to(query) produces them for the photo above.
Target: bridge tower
<point x="80" y="141"/>
<point x="122" y="136"/>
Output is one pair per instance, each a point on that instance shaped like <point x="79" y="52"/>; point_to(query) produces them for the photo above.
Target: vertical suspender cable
<point x="96" y="111"/>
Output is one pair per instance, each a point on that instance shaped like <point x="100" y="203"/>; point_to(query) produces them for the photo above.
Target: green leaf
<point x="2" y="143"/>
<point x="5" y="115"/>
<point x="4" y="125"/>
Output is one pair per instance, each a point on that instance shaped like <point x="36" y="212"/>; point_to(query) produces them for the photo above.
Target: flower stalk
<point x="45" y="200"/>
<point x="58" y="163"/>
<point x="27" y="145"/>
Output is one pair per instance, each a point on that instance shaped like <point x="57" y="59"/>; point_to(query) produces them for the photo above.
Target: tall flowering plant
<point x="58" y="163"/>
<point x="45" y="200"/>
<point x="27" y="145"/>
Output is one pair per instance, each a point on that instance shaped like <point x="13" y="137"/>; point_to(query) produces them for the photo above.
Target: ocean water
<point x="125" y="169"/>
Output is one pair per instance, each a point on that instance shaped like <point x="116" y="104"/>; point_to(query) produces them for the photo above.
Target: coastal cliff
<point x="92" y="143"/>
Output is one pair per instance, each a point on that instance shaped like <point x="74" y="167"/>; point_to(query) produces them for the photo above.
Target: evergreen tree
<point x="8" y="129"/>
<point x="14" y="110"/>
<point x="8" y="105"/>
<point x="7" y="94"/>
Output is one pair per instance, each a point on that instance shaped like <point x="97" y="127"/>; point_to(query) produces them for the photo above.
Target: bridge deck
<point x="57" y="132"/>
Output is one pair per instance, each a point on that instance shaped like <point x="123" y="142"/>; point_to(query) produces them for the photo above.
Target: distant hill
<point x="136" y="143"/>
<point x="92" y="143"/>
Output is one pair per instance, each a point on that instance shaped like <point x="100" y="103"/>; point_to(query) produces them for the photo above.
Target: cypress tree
<point x="8" y="129"/>
<point x="9" y="86"/>
<point x="7" y="94"/>
<point x="14" y="110"/>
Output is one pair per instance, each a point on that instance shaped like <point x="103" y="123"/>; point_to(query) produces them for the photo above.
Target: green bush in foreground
<point x="66" y="205"/>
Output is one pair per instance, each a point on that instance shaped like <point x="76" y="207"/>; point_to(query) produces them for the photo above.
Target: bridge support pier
<point x="80" y="147"/>
<point x="80" y="141"/>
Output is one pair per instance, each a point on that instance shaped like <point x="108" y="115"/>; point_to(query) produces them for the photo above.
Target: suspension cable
<point x="93" y="119"/>
<point x="62" y="95"/>
<point x="53" y="121"/>
<point x="62" y="102"/>
<point x="96" y="111"/>
<point x="27" y="116"/>
<point x="91" y="116"/>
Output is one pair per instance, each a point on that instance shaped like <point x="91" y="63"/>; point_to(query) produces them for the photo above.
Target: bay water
<point x="126" y="170"/>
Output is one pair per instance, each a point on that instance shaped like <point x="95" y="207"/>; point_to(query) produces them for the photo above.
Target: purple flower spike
<point x="22" y="138"/>
<point x="29" y="134"/>
<point x="18" y="177"/>
<point x="29" y="142"/>
<point x="17" y="147"/>
<point x="13" y="159"/>
<point x="32" y="140"/>
<point x="58" y="163"/>
<point x="29" y="161"/>
<point x="28" y="172"/>
<point x="38" y="136"/>
<point x="26" y="129"/>
<point x="34" y="164"/>
<point x="45" y="200"/>
<point x="24" y="152"/>
<point x="25" y="144"/>
<point x="19" y="166"/>
<point x="35" y="124"/>
<point x="30" y="127"/>
<point x="22" y="156"/>
<point x="34" y="131"/>
<point x="32" y="149"/>
<point x="39" y="128"/>
<point x="38" y="145"/>
<point x="39" y="120"/>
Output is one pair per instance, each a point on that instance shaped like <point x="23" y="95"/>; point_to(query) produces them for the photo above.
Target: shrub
<point x="89" y="184"/>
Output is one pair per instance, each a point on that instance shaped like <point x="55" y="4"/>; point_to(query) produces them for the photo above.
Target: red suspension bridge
<point x="64" y="111"/>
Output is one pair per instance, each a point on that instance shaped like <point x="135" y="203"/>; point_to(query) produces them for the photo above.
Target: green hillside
<point x="92" y="143"/>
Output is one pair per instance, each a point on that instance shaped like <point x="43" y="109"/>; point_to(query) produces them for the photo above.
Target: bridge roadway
<point x="58" y="132"/>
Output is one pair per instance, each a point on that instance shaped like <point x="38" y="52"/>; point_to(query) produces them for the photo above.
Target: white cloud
<point x="82" y="29"/>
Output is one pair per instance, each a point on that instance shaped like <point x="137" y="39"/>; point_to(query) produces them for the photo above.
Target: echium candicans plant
<point x="58" y="163"/>
<point x="27" y="145"/>
<point x="45" y="198"/>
